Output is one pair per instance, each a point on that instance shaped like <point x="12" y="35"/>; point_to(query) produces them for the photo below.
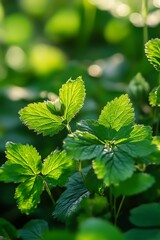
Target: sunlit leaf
<point x="72" y="95"/>
<point x="154" y="97"/>
<point x="152" y="50"/>
<point x="117" y="113"/>
<point x="23" y="161"/>
<point x="38" y="116"/>
<point x="28" y="194"/>
<point x="57" y="167"/>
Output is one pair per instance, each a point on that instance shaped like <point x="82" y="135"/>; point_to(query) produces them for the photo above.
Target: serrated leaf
<point x="39" y="117"/>
<point x="139" y="182"/>
<point x="146" y="215"/>
<point x="113" y="166"/>
<point x="94" y="228"/>
<point x="28" y="194"/>
<point x="7" y="230"/>
<point x="57" y="167"/>
<point x="83" y="146"/>
<point x="154" y="97"/>
<point x="71" y="197"/>
<point x="93" y="184"/>
<point x="139" y="144"/>
<point x="152" y="50"/>
<point x="23" y="161"/>
<point x="72" y="95"/>
<point x="117" y="113"/>
<point x="33" y="230"/>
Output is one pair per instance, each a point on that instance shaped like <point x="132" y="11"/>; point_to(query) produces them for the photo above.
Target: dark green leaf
<point x="138" y="183"/>
<point x="39" y="117"/>
<point x="113" y="166"/>
<point x="7" y="230"/>
<point x="152" y="50"/>
<point x="72" y="96"/>
<point x="57" y="167"/>
<point x="92" y="183"/>
<point x="71" y="197"/>
<point x="28" y="194"/>
<point x="146" y="215"/>
<point x="22" y="162"/>
<point x="34" y="229"/>
<point x="117" y="113"/>
<point x="140" y="234"/>
<point x="83" y="145"/>
<point x="139" y="144"/>
<point x="94" y="228"/>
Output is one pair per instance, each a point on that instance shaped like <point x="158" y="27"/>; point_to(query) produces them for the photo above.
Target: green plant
<point x="100" y="164"/>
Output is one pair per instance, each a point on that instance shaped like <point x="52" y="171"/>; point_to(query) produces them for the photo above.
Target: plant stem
<point x="69" y="128"/>
<point x="49" y="193"/>
<point x="144" y="15"/>
<point x="119" y="209"/>
<point x="80" y="170"/>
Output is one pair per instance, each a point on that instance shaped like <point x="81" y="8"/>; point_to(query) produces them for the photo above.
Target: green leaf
<point x="34" y="229"/>
<point x="7" y="230"/>
<point x="154" y="97"/>
<point x="71" y="197"/>
<point x="139" y="234"/>
<point x="39" y="117"/>
<point x="139" y="144"/>
<point x="72" y="95"/>
<point x="28" y="194"/>
<point x="139" y="182"/>
<point x="57" y="167"/>
<point x="146" y="215"/>
<point x="83" y="145"/>
<point x="117" y="113"/>
<point x="94" y="228"/>
<point x="23" y="161"/>
<point x="152" y="50"/>
<point x="59" y="235"/>
<point x="92" y="183"/>
<point x="113" y="166"/>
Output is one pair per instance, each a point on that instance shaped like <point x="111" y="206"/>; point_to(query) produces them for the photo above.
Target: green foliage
<point x="138" y="183"/>
<point x="145" y="216"/>
<point x="152" y="50"/>
<point x="24" y="166"/>
<point x="71" y="197"/>
<point x="7" y="230"/>
<point x="49" y="117"/>
<point x="33" y="230"/>
<point x="112" y="142"/>
<point x="154" y="97"/>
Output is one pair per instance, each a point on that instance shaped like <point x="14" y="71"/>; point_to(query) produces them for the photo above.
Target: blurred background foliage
<point x="43" y="43"/>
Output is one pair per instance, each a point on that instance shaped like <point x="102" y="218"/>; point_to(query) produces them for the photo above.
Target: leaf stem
<point x="49" y="192"/>
<point x="80" y="169"/>
<point x="119" y="209"/>
<point x="144" y="15"/>
<point x="69" y="128"/>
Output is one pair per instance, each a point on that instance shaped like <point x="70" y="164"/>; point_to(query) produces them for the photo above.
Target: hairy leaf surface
<point x="71" y="197"/>
<point x="117" y="113"/>
<point x="152" y="50"/>
<point x="57" y="167"/>
<point x="113" y="166"/>
<point x="72" y="95"/>
<point x="40" y="118"/>
<point x="22" y="162"/>
<point x="28" y="194"/>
